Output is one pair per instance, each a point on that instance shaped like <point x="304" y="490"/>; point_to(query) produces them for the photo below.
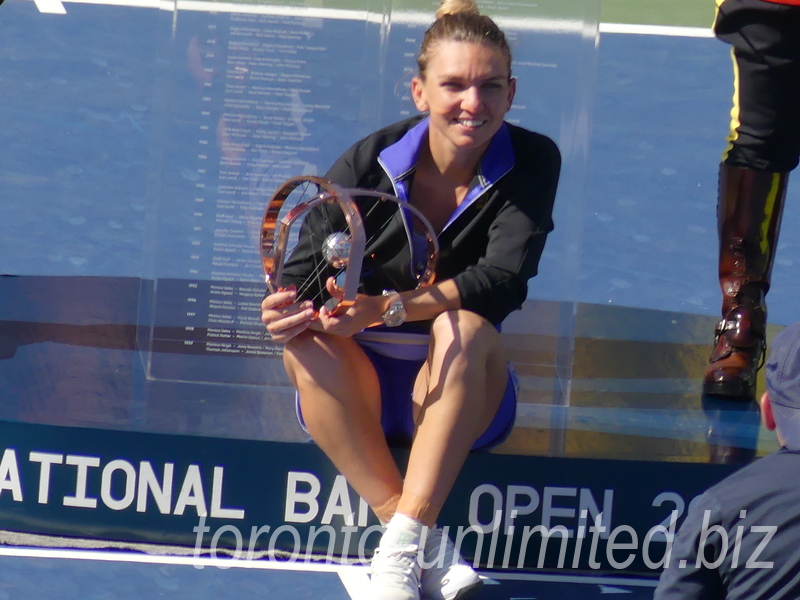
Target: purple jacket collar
<point x="400" y="159"/>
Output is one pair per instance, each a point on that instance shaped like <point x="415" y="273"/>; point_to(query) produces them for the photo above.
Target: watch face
<point x="395" y="315"/>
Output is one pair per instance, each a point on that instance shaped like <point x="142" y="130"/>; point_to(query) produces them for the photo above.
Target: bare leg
<point x="456" y="396"/>
<point x="340" y="399"/>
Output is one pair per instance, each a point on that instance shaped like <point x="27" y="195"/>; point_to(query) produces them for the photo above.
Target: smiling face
<point x="467" y="91"/>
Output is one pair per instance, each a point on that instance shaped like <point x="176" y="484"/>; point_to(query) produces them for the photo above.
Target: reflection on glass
<point x="260" y="95"/>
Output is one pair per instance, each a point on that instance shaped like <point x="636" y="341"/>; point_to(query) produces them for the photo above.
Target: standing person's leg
<point x="749" y="214"/>
<point x="764" y="145"/>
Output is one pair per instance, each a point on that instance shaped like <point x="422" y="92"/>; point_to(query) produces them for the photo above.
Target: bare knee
<point x="466" y="334"/>
<point x="321" y="365"/>
<point x="309" y="355"/>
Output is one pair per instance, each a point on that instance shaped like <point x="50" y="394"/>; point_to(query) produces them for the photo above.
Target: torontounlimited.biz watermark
<point x="285" y="543"/>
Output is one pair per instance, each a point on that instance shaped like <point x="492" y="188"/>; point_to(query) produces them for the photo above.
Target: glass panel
<point x="138" y="165"/>
<point x="262" y="93"/>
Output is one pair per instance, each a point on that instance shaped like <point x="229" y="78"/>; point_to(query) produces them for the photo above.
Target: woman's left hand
<point x="365" y="311"/>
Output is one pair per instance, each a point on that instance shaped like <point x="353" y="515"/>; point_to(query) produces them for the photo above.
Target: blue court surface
<point x="84" y="575"/>
<point x="80" y="112"/>
<point x="112" y="116"/>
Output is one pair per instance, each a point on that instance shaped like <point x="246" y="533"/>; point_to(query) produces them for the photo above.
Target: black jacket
<point x="493" y="246"/>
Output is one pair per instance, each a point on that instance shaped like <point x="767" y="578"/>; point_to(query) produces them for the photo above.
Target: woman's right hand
<point x="284" y="316"/>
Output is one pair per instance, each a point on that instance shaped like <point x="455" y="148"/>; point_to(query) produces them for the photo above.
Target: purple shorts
<point x="397" y="376"/>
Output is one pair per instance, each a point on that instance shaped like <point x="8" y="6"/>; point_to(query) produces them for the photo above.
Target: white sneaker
<point x="446" y="576"/>
<point x="395" y="574"/>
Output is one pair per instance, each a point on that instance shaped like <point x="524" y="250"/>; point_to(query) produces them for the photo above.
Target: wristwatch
<point x="396" y="314"/>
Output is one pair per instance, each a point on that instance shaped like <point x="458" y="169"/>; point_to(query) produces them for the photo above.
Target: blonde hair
<point x="452" y="7"/>
<point x="461" y="21"/>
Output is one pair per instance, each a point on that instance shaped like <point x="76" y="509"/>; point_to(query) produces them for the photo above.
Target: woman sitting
<point x="487" y="187"/>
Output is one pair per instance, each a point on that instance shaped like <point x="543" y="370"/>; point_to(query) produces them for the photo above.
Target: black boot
<point x="749" y="217"/>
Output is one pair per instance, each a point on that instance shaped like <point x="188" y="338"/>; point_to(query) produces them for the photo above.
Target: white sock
<point x="401" y="531"/>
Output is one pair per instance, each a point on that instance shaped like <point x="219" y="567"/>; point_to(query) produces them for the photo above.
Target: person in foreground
<point x="740" y="539"/>
<point x="764" y="147"/>
<point x="434" y="377"/>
